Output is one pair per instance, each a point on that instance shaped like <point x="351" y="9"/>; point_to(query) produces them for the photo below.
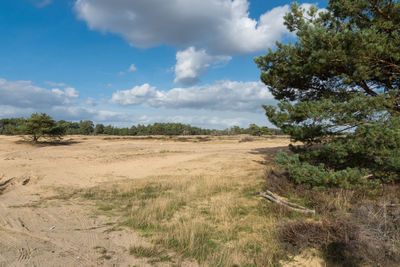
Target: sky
<point x="125" y="62"/>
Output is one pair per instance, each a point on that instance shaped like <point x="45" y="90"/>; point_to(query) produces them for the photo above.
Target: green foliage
<point x="172" y="129"/>
<point x="257" y="131"/>
<point x="99" y="129"/>
<point x="253" y="129"/>
<point x="10" y="126"/>
<point x="13" y="126"/>
<point x="86" y="127"/>
<point x="42" y="126"/>
<point x="339" y="92"/>
<point x="319" y="175"/>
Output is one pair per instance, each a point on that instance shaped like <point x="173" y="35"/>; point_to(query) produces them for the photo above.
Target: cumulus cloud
<point x="26" y="94"/>
<point x="216" y="27"/>
<point x="236" y="102"/>
<point x="68" y="92"/>
<point x="135" y="96"/>
<point x="222" y="95"/>
<point x="71" y="92"/>
<point x="22" y="98"/>
<point x="78" y="112"/>
<point x="224" y="26"/>
<point x="192" y="63"/>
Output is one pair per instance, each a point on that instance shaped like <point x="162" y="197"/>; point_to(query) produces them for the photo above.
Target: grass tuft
<point x="146" y="252"/>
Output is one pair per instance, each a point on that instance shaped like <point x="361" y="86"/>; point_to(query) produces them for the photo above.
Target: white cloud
<point x="86" y="113"/>
<point x="191" y="64"/>
<point x="22" y="98"/>
<point x="223" y="26"/>
<point x="222" y="95"/>
<point x="9" y="111"/>
<point x="71" y="92"/>
<point x="132" y="67"/>
<point x="135" y="96"/>
<point x="68" y="92"/>
<point x="216" y="27"/>
<point x="26" y="94"/>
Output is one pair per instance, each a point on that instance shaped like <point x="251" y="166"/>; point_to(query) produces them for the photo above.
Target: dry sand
<point x="64" y="233"/>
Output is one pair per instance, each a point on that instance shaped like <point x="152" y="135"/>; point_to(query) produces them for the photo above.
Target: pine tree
<point x="339" y="92"/>
<point x="42" y="126"/>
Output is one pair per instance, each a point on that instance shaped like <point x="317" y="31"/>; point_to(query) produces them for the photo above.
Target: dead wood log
<point x="292" y="206"/>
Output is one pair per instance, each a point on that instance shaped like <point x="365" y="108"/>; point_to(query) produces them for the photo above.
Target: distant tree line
<point x="42" y="125"/>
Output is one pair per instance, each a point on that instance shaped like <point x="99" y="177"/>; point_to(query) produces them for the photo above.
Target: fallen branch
<point x="292" y="206"/>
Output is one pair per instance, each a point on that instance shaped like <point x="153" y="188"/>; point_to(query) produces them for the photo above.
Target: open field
<point x="115" y="201"/>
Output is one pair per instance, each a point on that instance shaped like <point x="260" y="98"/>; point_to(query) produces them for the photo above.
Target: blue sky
<point x="126" y="62"/>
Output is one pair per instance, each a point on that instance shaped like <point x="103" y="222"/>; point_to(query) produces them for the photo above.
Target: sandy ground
<point x="64" y="234"/>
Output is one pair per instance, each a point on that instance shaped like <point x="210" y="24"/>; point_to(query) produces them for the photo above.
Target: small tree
<point x="42" y="126"/>
<point x="255" y="130"/>
<point x="86" y="127"/>
<point x="339" y="87"/>
<point x="99" y="129"/>
<point x="265" y="131"/>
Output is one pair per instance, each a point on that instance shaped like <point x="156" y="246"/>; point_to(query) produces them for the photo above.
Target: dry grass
<point x="246" y="139"/>
<point x="219" y="221"/>
<point x="351" y="228"/>
<point x="216" y="220"/>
